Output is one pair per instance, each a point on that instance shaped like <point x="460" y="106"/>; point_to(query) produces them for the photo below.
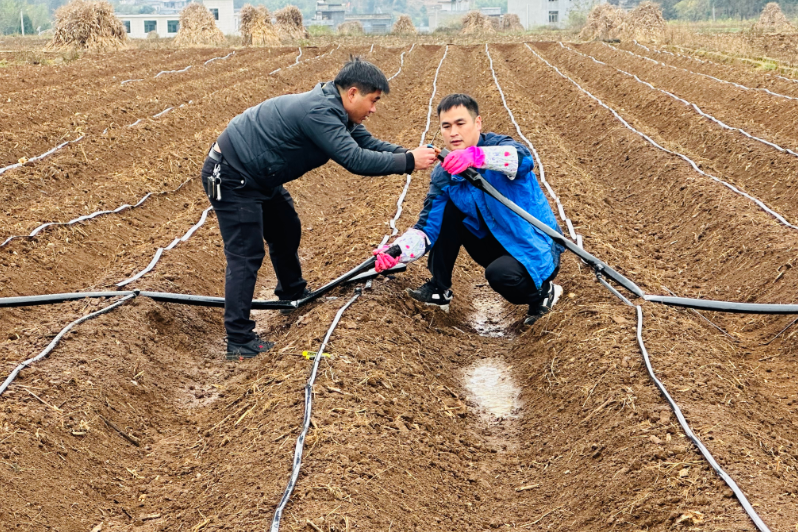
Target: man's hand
<point x="424" y="157"/>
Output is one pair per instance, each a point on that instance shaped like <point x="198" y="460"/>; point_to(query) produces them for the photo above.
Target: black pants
<point x="248" y="216"/>
<point x="504" y="274"/>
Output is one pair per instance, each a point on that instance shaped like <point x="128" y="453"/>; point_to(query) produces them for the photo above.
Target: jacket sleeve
<point x="431" y="217"/>
<point x="326" y="131"/>
<point x="367" y="141"/>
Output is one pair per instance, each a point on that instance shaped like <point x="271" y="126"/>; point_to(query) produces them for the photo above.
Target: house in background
<point x="165" y="21"/>
<point x="536" y="13"/>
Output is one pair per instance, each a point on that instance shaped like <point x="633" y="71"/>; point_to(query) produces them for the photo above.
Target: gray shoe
<point x="544" y="307"/>
<point x="430" y="294"/>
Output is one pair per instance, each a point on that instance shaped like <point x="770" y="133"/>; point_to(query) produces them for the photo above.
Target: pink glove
<point x="459" y="160"/>
<point x="385" y="262"/>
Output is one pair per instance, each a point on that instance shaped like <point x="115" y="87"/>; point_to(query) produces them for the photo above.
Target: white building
<point x="535" y="13"/>
<point x="166" y="25"/>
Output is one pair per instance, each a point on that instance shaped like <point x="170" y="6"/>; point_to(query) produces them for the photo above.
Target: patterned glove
<point x="459" y="160"/>
<point x="413" y="244"/>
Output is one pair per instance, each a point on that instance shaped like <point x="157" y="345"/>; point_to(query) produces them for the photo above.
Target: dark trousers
<point x="504" y="274"/>
<point x="248" y="216"/>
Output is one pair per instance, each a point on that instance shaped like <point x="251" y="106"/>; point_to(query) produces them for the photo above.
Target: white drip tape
<point x="130" y="81"/>
<point x="163" y="112"/>
<point x="552" y="194"/>
<point x="685" y="102"/>
<point x="219" y="58"/>
<point x="296" y="62"/>
<point x="760" y="525"/>
<point x="58" y="337"/>
<point x="164" y="72"/>
<point x="39" y="157"/>
<point x="737" y="85"/>
<point x="160" y="251"/>
<point x="135" y="123"/>
<point x="372" y="48"/>
<point x="695" y="167"/>
<point x="401" y="61"/>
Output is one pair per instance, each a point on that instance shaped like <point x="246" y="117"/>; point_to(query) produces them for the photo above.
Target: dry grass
<point x="773" y="20"/>
<point x="197" y="28"/>
<point x="404" y="26"/>
<point x="511" y="22"/>
<point x="604" y="23"/>
<point x="289" y="24"/>
<point x="476" y="22"/>
<point x="256" y="27"/>
<point x="353" y="27"/>
<point x="84" y="25"/>
<point x="644" y="23"/>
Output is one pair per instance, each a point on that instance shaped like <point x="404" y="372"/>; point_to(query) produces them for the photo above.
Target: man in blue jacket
<point x="271" y="144"/>
<point x="520" y="262"/>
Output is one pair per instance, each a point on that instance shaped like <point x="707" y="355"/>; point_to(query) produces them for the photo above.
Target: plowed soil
<point x="397" y="441"/>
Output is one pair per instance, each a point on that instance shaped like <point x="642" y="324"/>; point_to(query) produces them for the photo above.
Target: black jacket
<point x="282" y="138"/>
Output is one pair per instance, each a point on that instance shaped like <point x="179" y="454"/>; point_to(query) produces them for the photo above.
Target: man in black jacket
<point x="276" y="142"/>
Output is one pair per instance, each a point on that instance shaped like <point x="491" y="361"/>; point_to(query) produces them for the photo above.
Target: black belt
<point x="215" y="155"/>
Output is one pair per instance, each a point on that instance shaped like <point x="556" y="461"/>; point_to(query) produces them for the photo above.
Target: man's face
<point x="459" y="129"/>
<point x="360" y="106"/>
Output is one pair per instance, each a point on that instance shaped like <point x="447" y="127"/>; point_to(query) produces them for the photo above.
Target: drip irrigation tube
<point x="685" y="102"/>
<point x="54" y="342"/>
<point x="401" y="62"/>
<point x="651" y="141"/>
<point x="219" y="58"/>
<point x="162" y="72"/>
<point x="300" y="441"/>
<point x="42" y="156"/>
<point x="760" y="525"/>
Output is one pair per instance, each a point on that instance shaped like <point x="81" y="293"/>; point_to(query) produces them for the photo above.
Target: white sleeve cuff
<point x="502" y="159"/>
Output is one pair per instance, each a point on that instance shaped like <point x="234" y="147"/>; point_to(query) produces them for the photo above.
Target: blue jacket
<point x="539" y="254"/>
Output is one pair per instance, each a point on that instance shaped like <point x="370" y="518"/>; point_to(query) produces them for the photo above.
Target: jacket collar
<point x="331" y="94"/>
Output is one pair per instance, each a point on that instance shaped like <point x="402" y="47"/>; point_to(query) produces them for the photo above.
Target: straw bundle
<point x="289" y="24"/>
<point x="773" y="20"/>
<point x="644" y="23"/>
<point x="353" y="27"/>
<point x="197" y="27"/>
<point x="256" y="27"/>
<point x="476" y="22"/>
<point x="511" y="22"/>
<point x="85" y="25"/>
<point x="404" y="26"/>
<point x="603" y="22"/>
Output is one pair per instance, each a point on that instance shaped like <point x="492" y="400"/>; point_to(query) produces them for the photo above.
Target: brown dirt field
<point x="397" y="444"/>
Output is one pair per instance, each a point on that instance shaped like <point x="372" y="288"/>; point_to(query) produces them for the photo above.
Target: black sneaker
<point x="305" y="293"/>
<point x="429" y="294"/>
<point x="250" y="349"/>
<point x="544" y="307"/>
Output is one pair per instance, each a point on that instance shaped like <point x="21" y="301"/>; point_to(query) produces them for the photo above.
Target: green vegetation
<point x="723" y="9"/>
<point x="33" y="15"/>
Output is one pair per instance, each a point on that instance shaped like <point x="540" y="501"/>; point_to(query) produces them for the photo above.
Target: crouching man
<point x="520" y="262"/>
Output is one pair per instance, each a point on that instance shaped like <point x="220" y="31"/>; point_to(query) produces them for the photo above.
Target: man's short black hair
<point x="455" y="100"/>
<point x="361" y="74"/>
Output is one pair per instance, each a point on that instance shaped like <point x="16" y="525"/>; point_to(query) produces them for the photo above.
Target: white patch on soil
<point x="491" y="388"/>
<point x="491" y="312"/>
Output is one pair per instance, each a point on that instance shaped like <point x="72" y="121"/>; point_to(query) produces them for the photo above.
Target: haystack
<point x="197" y="27"/>
<point x="404" y="26"/>
<point x="511" y="22"/>
<point x="772" y="20"/>
<point x="603" y="23"/>
<point x="476" y="22"/>
<point x="353" y="27"/>
<point x="644" y="23"/>
<point x="84" y="25"/>
<point x="256" y="27"/>
<point x="289" y="24"/>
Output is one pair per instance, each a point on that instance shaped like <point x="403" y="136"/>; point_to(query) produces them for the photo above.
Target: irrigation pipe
<point x="685" y="102"/>
<point x="737" y="85"/>
<point x="95" y="214"/>
<point x="651" y="141"/>
<point x="163" y="72"/>
<point x="58" y="337"/>
<point x="300" y="442"/>
<point x="39" y="157"/>
<point x="539" y="162"/>
<point x="401" y="62"/>
<point x="760" y="525"/>
<point x="219" y="58"/>
<point x="297" y="463"/>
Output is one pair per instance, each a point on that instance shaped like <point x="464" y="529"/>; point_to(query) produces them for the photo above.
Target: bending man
<point x="271" y="144"/>
<point x="520" y="262"/>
